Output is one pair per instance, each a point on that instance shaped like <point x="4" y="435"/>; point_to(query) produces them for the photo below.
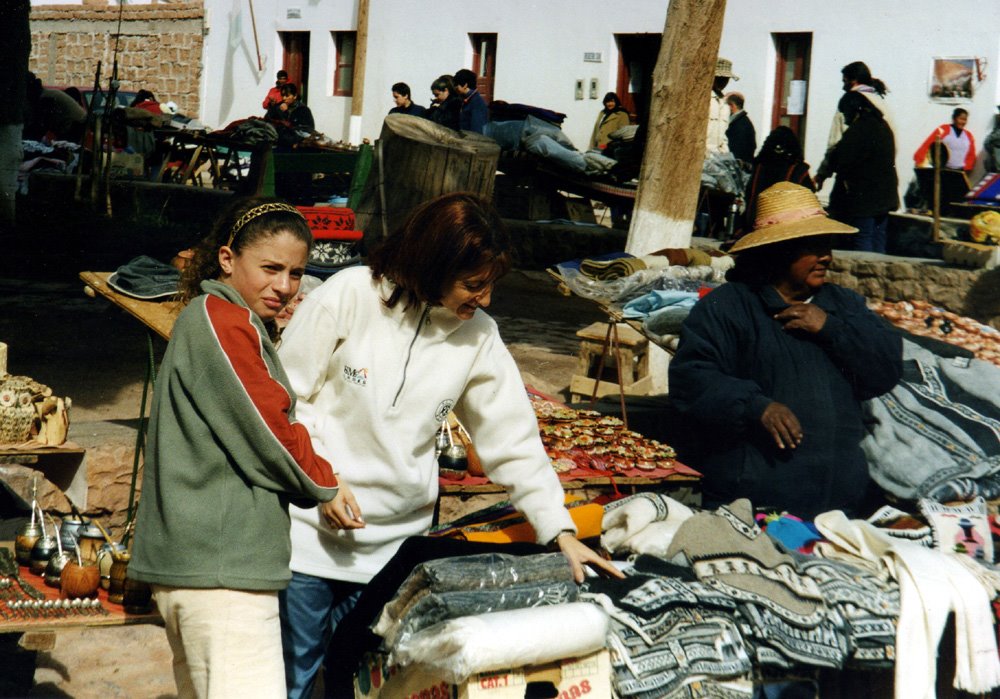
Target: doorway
<point x="484" y="63"/>
<point x="637" y="55"/>
<point x="295" y="60"/>
<point x="791" y="82"/>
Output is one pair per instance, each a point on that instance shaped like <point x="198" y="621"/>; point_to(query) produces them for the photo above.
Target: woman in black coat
<point x="864" y="160"/>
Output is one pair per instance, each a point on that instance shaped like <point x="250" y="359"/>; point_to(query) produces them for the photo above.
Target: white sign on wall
<point x="592" y="57"/>
<point x="796" y="98"/>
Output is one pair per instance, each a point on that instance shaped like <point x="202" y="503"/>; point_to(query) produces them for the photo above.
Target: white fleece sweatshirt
<point x="373" y="385"/>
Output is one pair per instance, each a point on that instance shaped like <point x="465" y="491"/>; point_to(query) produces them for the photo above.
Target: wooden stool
<point x="605" y="367"/>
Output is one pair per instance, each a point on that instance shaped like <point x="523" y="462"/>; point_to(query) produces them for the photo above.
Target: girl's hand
<point x="343" y="511"/>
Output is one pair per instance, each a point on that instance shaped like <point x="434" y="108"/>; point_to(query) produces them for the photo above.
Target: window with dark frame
<point x="343" y="76"/>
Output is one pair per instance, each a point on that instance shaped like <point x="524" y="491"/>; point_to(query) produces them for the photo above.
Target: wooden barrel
<point x="416" y="160"/>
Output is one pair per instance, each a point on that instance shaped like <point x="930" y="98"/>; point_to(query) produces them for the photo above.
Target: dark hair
<point x="289" y="89"/>
<point x="444" y="82"/>
<point x="735" y="98"/>
<point x="465" y="78"/>
<point x="281" y="74"/>
<point x="612" y="97"/>
<point x="143" y="96"/>
<point x="781" y="144"/>
<point x="854" y="103"/>
<point x="205" y="263"/>
<point x="858" y="72"/>
<point x="958" y="111"/>
<point x="766" y="264"/>
<point x="401" y="89"/>
<point x="443" y="239"/>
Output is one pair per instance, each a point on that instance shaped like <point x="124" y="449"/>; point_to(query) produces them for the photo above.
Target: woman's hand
<point x="579" y="554"/>
<point x="803" y="316"/>
<point x="343" y="511"/>
<point x="781" y="423"/>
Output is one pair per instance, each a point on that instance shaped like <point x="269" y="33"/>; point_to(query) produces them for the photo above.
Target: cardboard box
<point x="574" y="678"/>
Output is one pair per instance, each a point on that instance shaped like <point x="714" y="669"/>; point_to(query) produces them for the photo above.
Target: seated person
<point x="404" y="105"/>
<point x="144" y="99"/>
<point x="772" y="368"/>
<point x="610" y="119"/>
<point x="291" y="111"/>
<point x="273" y="96"/>
<point x="961" y="153"/>
<point x="52" y="115"/>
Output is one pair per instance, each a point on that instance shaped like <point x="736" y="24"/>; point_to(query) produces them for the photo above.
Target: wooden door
<point x="484" y="60"/>
<point x="295" y="46"/>
<point x="791" y="82"/>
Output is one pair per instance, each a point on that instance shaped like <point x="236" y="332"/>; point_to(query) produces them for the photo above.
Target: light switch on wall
<point x="579" y="89"/>
<point x="593" y="88"/>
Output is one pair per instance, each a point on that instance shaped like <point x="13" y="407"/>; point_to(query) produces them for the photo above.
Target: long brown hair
<point x="241" y="224"/>
<point x="443" y="239"/>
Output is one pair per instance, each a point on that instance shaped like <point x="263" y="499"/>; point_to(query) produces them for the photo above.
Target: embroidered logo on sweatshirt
<point x="356" y="376"/>
<point x="444" y="407"/>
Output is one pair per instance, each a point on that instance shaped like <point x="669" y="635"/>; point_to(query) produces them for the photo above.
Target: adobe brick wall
<point x="159" y="48"/>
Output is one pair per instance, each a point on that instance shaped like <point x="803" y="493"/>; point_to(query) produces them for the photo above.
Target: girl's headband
<point x="256" y="211"/>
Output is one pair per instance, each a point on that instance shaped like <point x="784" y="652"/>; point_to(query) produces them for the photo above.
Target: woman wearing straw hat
<point x="772" y="367"/>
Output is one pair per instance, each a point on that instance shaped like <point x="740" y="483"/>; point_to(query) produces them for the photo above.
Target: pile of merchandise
<point x="921" y="318"/>
<point x="585" y="439"/>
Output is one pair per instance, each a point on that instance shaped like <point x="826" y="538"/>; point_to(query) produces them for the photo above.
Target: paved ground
<point x="95" y="353"/>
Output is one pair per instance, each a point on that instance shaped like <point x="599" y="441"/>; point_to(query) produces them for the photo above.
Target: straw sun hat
<point x="786" y="211"/>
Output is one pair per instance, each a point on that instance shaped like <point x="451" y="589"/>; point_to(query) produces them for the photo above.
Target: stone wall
<point x="159" y="48"/>
<point x="970" y="292"/>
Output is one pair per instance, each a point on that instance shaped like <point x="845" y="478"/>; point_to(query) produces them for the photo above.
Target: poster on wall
<point x="954" y="79"/>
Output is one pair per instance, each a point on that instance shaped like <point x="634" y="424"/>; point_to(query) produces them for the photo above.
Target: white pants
<point x="226" y="643"/>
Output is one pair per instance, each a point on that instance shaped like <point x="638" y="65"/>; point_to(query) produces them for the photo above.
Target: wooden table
<point x="457" y="499"/>
<point x="116" y="614"/>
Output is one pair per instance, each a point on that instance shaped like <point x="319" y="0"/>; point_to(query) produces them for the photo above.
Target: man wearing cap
<point x="772" y="367"/>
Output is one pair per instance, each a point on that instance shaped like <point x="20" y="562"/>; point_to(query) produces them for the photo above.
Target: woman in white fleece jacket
<point x="377" y="357"/>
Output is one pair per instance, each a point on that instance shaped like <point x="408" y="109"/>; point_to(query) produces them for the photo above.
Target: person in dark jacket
<point x="864" y="160"/>
<point x="740" y="133"/>
<point x="780" y="160"/>
<point x="291" y="111"/>
<point x="772" y="368"/>
<point x="475" y="114"/>
<point x="447" y="105"/>
<point x="404" y="104"/>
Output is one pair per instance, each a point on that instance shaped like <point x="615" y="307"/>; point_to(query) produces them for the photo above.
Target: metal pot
<point x="54" y="568"/>
<point x="90" y="539"/>
<point x="454" y="462"/>
<point x="25" y="540"/>
<point x="69" y="530"/>
<point x="44" y="548"/>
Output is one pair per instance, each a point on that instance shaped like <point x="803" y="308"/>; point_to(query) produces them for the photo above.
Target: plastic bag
<point x="620" y="291"/>
<point x="454" y="650"/>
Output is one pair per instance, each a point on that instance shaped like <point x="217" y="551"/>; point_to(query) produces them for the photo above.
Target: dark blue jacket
<point x="474" y="114"/>
<point x="734" y="359"/>
<point x="413" y="110"/>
